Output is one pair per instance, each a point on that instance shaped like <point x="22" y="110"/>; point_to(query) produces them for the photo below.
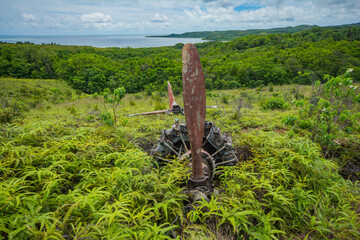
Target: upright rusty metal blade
<point x="194" y="104"/>
<point x="171" y="97"/>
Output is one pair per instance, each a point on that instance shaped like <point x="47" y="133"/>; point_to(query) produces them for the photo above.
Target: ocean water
<point x="133" y="41"/>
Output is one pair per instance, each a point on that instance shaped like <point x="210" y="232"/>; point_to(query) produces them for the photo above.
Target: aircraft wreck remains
<point x="198" y="141"/>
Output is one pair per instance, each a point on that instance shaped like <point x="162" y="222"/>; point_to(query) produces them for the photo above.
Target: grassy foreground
<point x="65" y="174"/>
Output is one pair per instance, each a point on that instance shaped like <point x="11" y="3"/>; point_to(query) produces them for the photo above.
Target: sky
<point x="63" y="17"/>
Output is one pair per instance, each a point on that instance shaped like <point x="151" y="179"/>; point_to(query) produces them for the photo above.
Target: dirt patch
<point x="351" y="170"/>
<point x="280" y="131"/>
<point x="243" y="152"/>
<point x="349" y="150"/>
<point x="145" y="144"/>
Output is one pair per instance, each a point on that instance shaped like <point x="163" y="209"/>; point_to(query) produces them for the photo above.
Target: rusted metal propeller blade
<point x="211" y="106"/>
<point x="172" y="103"/>
<point x="171" y="97"/>
<point x="195" y="105"/>
<point x="150" y="113"/>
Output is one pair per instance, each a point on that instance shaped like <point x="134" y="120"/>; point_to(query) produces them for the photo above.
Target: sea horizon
<point x="100" y="40"/>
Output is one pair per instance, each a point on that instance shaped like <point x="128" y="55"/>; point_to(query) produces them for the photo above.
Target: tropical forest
<point x="75" y="165"/>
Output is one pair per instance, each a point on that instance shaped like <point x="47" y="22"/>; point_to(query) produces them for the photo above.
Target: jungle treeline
<point x="229" y="35"/>
<point x="250" y="61"/>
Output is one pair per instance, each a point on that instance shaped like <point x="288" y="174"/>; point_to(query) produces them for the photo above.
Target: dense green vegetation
<point x="233" y="34"/>
<point x="303" y="57"/>
<point x="74" y="166"/>
<point x="65" y="173"/>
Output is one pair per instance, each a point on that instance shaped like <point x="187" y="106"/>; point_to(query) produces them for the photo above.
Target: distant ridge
<point x="232" y="34"/>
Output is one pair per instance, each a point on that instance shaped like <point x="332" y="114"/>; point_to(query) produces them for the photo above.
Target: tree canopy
<point x="250" y="61"/>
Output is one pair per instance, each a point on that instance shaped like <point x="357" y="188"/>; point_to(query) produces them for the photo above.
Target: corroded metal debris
<point x="194" y="105"/>
<point x="198" y="141"/>
<point x="173" y="106"/>
<point x="216" y="149"/>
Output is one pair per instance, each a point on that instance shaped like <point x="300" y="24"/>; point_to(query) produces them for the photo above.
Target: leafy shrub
<point x="304" y="78"/>
<point x="225" y="99"/>
<point x="289" y="120"/>
<point x="274" y="103"/>
<point x="95" y="95"/>
<point x="259" y="88"/>
<point x="304" y="124"/>
<point x="178" y="46"/>
<point x="238" y="108"/>
<point x="124" y="122"/>
<point x="271" y="87"/>
<point x="138" y="96"/>
<point x="113" y="99"/>
<point x="11" y="109"/>
<point x="106" y="118"/>
<point x="296" y="92"/>
<point x="330" y="111"/>
<point x="159" y="105"/>
<point x="34" y="103"/>
<point x="90" y="118"/>
<point x="209" y="94"/>
<point x="72" y="109"/>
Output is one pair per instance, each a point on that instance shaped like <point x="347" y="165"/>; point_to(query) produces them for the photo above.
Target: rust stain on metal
<point x="194" y="104"/>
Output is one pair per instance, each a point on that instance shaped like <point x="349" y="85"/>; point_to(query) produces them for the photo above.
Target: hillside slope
<point x="233" y="34"/>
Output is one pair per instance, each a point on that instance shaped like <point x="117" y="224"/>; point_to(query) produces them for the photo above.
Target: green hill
<point x="18" y="96"/>
<point x="233" y="34"/>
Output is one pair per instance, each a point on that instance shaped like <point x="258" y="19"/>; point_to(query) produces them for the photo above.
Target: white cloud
<point x="96" y="21"/>
<point x="158" y="18"/>
<point x="217" y="15"/>
<point x="97" y="18"/>
<point x="167" y="16"/>
<point x="28" y="17"/>
<point x="274" y="13"/>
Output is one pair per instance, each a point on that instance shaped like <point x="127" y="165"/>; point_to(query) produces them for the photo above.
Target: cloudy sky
<point x="170" y="16"/>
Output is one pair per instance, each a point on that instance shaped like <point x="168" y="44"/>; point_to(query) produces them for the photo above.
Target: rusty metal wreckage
<point x="198" y="140"/>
